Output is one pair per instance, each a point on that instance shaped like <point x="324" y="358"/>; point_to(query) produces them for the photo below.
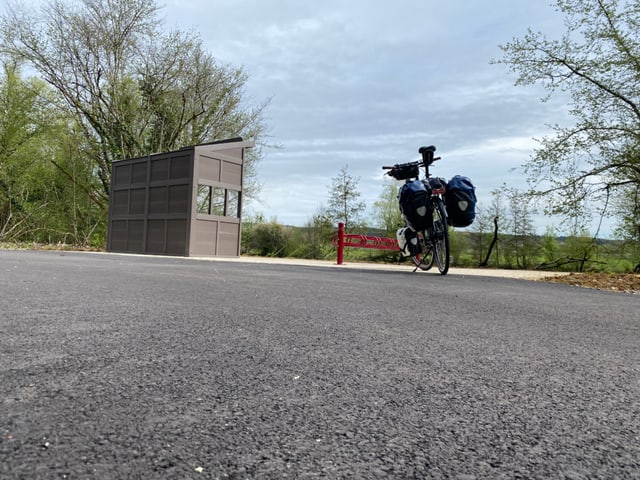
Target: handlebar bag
<point x="405" y="171"/>
<point x="415" y="205"/>
<point x="460" y="198"/>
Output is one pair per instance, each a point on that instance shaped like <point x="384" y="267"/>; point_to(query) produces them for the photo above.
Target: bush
<point x="265" y="239"/>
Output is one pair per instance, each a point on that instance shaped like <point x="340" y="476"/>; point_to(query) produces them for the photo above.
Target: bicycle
<point x="433" y="241"/>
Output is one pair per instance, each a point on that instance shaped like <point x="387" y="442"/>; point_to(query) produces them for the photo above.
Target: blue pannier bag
<point x="460" y="198"/>
<point x="414" y="205"/>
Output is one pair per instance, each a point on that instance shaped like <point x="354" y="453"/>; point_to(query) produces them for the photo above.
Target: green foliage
<point x="39" y="153"/>
<point x="132" y="88"/>
<point x="629" y="205"/>
<point x="313" y="241"/>
<point x="584" y="166"/>
<point x="577" y="252"/>
<point x="520" y="247"/>
<point x="344" y="205"/>
<point x="478" y="239"/>
<point x="112" y="85"/>
<point x="386" y="209"/>
<point x="549" y="246"/>
<point x="266" y="239"/>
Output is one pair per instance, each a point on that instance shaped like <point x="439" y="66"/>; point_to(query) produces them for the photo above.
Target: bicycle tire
<point x="440" y="237"/>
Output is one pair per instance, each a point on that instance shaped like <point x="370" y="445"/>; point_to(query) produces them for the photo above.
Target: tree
<point x="38" y="165"/>
<point x="549" y="247"/>
<point x="132" y="89"/>
<point x="630" y="226"/>
<point x="487" y="221"/>
<point x="386" y="210"/>
<point x="597" y="62"/>
<point x="344" y="205"/>
<point x="482" y="236"/>
<point x="522" y="242"/>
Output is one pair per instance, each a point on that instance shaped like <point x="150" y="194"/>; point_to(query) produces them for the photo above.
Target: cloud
<point x="365" y="83"/>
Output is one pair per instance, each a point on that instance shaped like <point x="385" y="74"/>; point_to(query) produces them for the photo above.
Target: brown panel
<point x="135" y="236"/>
<point x="159" y="169"/>
<point x="139" y="172"/>
<point x="120" y="199"/>
<point x="121" y="175"/>
<point x="228" y="239"/>
<point x="158" y="200"/>
<point x="118" y="235"/>
<point x="176" y="237"/>
<point x="209" y="169"/>
<point x="179" y="199"/>
<point x="234" y="152"/>
<point x="231" y="173"/>
<point x="138" y="200"/>
<point x="155" y="236"/>
<point x="203" y="237"/>
<point x="180" y="167"/>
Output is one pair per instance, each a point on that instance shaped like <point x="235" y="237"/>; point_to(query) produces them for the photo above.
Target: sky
<point x="365" y="83"/>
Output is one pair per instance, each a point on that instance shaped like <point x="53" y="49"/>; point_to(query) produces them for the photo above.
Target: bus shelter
<point x="187" y="202"/>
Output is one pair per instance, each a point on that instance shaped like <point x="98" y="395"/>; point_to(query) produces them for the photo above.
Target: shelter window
<point x="218" y="201"/>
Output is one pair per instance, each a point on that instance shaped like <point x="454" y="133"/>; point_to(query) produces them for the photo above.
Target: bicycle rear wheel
<point x="440" y="237"/>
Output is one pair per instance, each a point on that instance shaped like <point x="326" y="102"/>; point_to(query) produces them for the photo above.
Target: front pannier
<point x="460" y="198"/>
<point x="414" y="205"/>
<point x="407" y="241"/>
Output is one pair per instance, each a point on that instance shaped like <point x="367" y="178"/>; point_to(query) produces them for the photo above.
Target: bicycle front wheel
<point x="440" y="237"/>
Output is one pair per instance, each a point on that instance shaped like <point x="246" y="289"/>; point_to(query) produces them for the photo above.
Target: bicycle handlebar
<point x="410" y="164"/>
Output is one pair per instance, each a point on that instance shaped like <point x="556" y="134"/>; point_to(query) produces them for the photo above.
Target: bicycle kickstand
<point x="418" y="266"/>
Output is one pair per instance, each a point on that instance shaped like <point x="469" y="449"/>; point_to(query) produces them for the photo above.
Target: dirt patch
<point x="616" y="282"/>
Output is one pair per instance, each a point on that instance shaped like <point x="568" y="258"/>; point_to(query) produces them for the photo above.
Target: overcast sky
<point x="364" y="83"/>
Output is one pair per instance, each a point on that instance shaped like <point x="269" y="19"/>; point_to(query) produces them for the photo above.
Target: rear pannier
<point x="460" y="199"/>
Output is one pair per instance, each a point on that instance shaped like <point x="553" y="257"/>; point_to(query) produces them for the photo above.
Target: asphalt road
<point x="116" y="366"/>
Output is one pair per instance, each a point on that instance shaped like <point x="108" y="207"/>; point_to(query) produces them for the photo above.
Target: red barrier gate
<point x="341" y="240"/>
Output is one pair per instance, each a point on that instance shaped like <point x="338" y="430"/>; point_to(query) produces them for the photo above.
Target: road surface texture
<point x="116" y="366"/>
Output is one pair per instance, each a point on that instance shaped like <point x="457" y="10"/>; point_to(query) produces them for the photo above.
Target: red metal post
<point x="340" y="243"/>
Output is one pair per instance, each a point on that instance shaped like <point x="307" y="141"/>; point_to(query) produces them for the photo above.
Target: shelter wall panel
<point x="158" y="200"/>
<point x="176" y="237"/>
<point x="156" y="230"/>
<point x="122" y="174"/>
<point x="179" y="199"/>
<point x="209" y="169"/>
<point x="119" y="235"/>
<point x="139" y="172"/>
<point x="138" y="201"/>
<point x="135" y="236"/>
<point x="180" y="167"/>
<point x="160" y="170"/>
<point x="228" y="236"/>
<point x="120" y="199"/>
<point x="231" y="173"/>
<point x="203" y="237"/>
